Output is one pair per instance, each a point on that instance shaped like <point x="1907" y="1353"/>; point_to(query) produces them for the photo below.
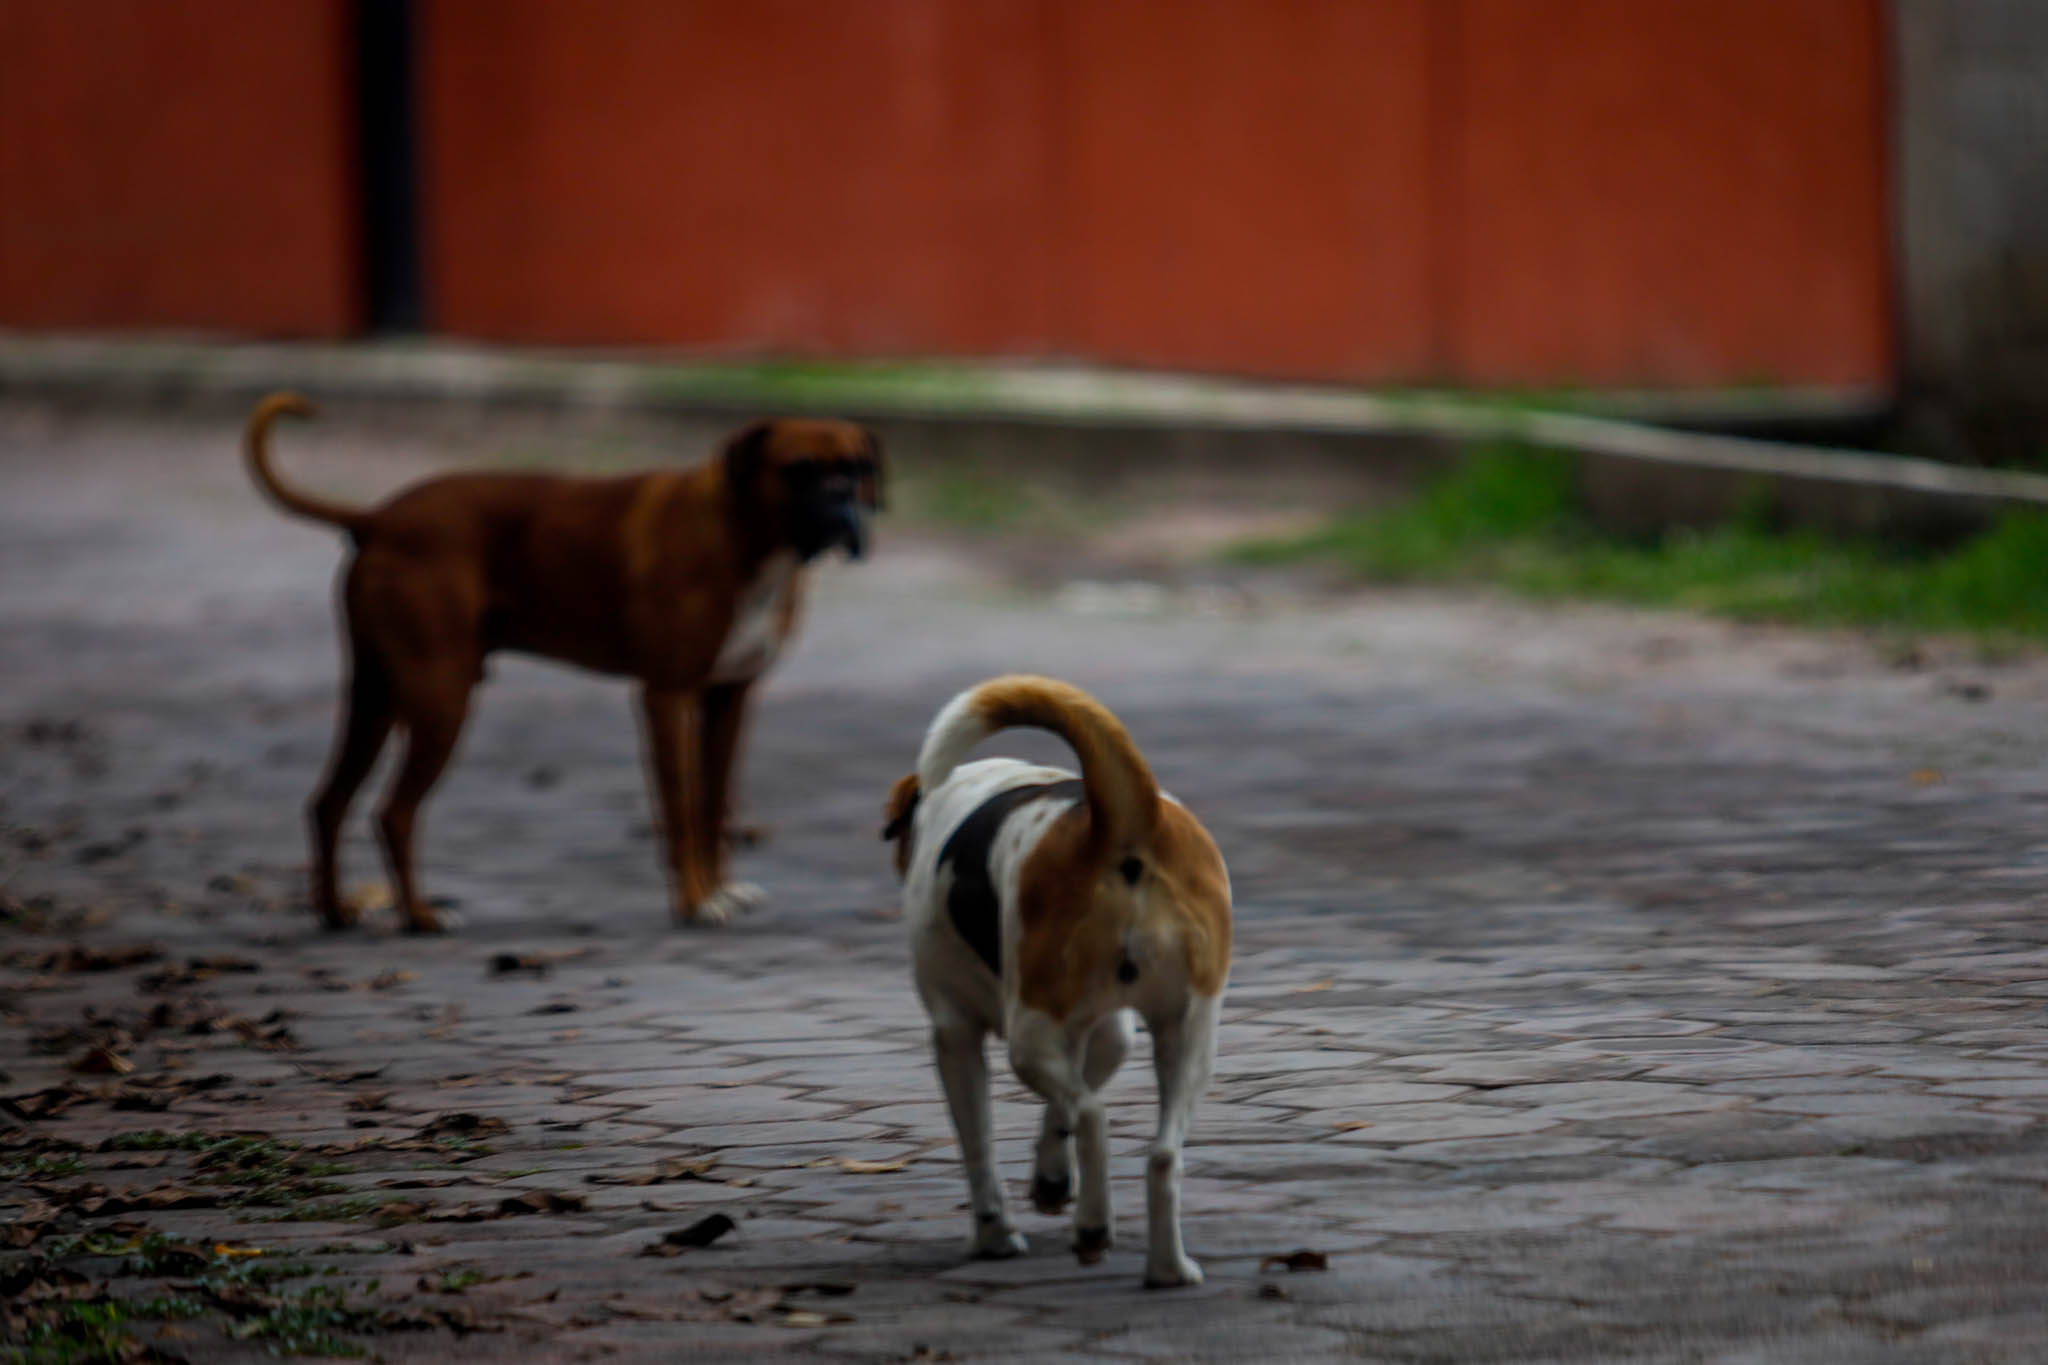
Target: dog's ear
<point x="902" y="806"/>
<point x="871" y="486"/>
<point x="746" y="451"/>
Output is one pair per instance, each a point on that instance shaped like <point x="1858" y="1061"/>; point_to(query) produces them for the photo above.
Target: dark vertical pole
<point x="384" y="103"/>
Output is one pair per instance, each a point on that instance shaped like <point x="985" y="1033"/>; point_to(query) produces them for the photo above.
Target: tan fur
<point x="1122" y="798"/>
<point x="902" y="804"/>
<point x="1075" y="909"/>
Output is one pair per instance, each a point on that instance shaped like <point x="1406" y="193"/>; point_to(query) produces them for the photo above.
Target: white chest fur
<point x="756" y="635"/>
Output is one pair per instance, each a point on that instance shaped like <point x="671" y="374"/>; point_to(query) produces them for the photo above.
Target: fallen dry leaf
<point x="1325" y="984"/>
<point x="102" y="1060"/>
<point x="464" y="1125"/>
<point x="1351" y="1125"/>
<point x="542" y="1201"/>
<point x="670" y="1168"/>
<point x="30" y="1223"/>
<point x="701" y="1233"/>
<point x="855" y="1166"/>
<point x="1297" y="1260"/>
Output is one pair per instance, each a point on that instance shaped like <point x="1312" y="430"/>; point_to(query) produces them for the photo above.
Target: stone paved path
<point x="1609" y="987"/>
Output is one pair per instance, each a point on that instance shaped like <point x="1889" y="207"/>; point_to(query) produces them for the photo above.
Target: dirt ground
<point x="1610" y="985"/>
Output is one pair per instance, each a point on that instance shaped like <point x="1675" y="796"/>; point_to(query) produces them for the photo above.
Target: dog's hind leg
<point x="1050" y="1064"/>
<point x="1052" y="1175"/>
<point x="432" y="705"/>
<point x="1183" y="1051"/>
<point x="963" y="1071"/>
<point x="365" y="723"/>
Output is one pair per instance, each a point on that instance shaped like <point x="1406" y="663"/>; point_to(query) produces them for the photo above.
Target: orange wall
<point x="1498" y="191"/>
<point x="177" y="163"/>
<point x="1678" y="192"/>
<point x="1492" y="191"/>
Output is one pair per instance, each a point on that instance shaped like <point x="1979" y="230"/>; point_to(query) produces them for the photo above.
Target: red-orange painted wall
<point x="177" y="163"/>
<point x="1679" y="192"/>
<point x="1493" y="191"/>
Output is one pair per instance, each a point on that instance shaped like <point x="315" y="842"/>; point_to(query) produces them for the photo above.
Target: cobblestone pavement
<point x="1609" y="986"/>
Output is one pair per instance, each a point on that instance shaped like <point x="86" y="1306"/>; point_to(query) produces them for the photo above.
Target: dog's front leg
<point x="957" y="1046"/>
<point x="1183" y="1051"/>
<point x="720" y="717"/>
<point x="1047" y="1061"/>
<point x="672" y="722"/>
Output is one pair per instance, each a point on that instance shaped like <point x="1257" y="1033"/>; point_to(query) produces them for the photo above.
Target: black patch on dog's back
<point x="971" y="902"/>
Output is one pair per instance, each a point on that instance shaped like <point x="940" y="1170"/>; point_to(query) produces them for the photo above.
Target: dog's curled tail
<point x="1123" y="798"/>
<point x="256" y="447"/>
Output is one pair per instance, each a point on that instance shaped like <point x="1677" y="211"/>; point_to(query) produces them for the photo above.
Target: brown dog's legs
<point x="672" y="721"/>
<point x="725" y="707"/>
<point x="365" y="722"/>
<point x="432" y="708"/>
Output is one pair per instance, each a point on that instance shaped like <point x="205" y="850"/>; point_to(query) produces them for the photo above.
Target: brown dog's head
<point x="807" y="484"/>
<point x="900" y="810"/>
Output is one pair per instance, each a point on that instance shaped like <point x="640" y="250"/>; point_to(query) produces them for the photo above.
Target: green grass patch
<point x="40" y="1166"/>
<point x="256" y="1171"/>
<point x="1511" y="516"/>
<point x="247" y="1290"/>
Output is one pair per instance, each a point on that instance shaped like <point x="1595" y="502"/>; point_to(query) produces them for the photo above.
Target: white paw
<point x="997" y="1241"/>
<point x="1172" y="1274"/>
<point x="711" y="910"/>
<point x="744" y="895"/>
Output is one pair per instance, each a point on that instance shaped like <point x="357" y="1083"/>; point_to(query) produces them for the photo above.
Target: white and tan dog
<point x="1046" y="909"/>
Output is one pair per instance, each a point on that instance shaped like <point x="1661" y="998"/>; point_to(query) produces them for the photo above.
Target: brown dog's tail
<point x="256" y="446"/>
<point x="901" y="812"/>
<point x="1123" y="798"/>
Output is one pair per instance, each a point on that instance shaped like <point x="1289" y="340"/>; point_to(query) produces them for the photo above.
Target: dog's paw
<point x="1052" y="1193"/>
<point x="434" y="922"/>
<point x="710" y="910"/>
<point x="1091" y="1243"/>
<point x="745" y="895"/>
<point x="1172" y="1274"/>
<point x="995" y="1240"/>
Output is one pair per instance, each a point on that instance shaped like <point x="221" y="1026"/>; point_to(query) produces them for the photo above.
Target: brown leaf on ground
<point x="460" y="1319"/>
<point x="464" y="1125"/>
<point x="101" y="1060"/>
<point x="78" y="958"/>
<point x="670" y="1168"/>
<point x="372" y="1100"/>
<point x="154" y="1199"/>
<point x="389" y="977"/>
<point x="541" y="1201"/>
<point x="537" y="963"/>
<point x="1297" y="1260"/>
<point x="136" y="1161"/>
<point x="50" y="1101"/>
<point x="33" y="1220"/>
<point x="701" y="1233"/>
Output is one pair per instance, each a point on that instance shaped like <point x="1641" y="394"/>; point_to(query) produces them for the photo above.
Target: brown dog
<point x="687" y="581"/>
